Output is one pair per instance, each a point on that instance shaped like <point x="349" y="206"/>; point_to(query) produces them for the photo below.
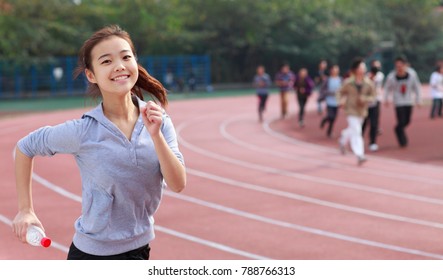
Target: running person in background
<point x="319" y="80"/>
<point x="355" y="95"/>
<point x="303" y="86"/>
<point x="436" y="84"/>
<point x="402" y="83"/>
<point x="126" y="150"/>
<point x="328" y="93"/>
<point x="285" y="81"/>
<point x="373" y="117"/>
<point x="262" y="82"/>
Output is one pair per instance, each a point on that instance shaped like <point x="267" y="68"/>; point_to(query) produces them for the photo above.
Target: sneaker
<point x="373" y="147"/>
<point x="301" y="123"/>
<point x="361" y="160"/>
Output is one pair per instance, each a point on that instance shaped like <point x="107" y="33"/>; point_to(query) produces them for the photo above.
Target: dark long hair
<point x="145" y="82"/>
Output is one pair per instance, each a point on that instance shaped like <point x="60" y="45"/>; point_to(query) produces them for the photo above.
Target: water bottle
<point x="35" y="236"/>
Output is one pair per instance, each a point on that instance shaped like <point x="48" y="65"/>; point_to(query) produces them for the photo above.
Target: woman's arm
<point x="172" y="169"/>
<point x="25" y="215"/>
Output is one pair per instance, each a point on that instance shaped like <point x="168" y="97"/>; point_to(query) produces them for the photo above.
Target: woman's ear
<point x="90" y="76"/>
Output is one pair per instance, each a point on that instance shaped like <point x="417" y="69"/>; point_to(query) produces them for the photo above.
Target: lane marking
<point x="315" y="231"/>
<point x="59" y="190"/>
<point x="428" y="254"/>
<point x="211" y="244"/>
<point x="77" y="198"/>
<point x="312" y="200"/>
<point x="304" y="159"/>
<point x="300" y="176"/>
<point x="297" y="227"/>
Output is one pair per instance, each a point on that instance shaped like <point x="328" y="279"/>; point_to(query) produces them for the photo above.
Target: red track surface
<point x="260" y="191"/>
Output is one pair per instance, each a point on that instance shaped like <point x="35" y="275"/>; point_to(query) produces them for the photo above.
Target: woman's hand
<point x="22" y="221"/>
<point x="172" y="169"/>
<point x="152" y="115"/>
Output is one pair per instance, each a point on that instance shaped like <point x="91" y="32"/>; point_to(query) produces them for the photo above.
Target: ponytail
<point x="151" y="85"/>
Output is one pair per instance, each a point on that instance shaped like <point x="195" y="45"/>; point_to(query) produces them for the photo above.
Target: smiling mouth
<point x="119" y="78"/>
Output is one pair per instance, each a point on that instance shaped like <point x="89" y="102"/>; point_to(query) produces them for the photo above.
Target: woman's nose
<point x="119" y="66"/>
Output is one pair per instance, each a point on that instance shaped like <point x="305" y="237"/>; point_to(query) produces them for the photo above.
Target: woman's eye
<point x="126" y="57"/>
<point x="106" y="61"/>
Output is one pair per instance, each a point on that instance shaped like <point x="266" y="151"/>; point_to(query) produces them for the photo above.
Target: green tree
<point x="237" y="34"/>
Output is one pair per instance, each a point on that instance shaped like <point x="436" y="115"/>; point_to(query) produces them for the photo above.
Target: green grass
<point x="71" y="102"/>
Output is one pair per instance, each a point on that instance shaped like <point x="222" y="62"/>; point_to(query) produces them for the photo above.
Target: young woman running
<point x="126" y="150"/>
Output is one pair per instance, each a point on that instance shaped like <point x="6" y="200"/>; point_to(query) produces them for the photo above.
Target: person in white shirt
<point x="436" y="84"/>
<point x="403" y="84"/>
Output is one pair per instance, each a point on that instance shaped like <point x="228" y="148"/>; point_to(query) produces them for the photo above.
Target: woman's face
<point x="114" y="68"/>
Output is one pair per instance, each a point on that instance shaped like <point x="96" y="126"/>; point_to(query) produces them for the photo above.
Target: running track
<point x="258" y="191"/>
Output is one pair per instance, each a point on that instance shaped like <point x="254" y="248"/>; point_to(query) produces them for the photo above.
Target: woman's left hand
<point x="152" y="115"/>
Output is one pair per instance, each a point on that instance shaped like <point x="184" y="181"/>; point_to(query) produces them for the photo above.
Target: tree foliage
<point x="237" y="34"/>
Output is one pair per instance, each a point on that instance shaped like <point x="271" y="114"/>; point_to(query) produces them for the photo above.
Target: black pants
<point x="302" y="100"/>
<point x="437" y="105"/>
<point x="141" y="253"/>
<point x="404" y="114"/>
<point x="373" y="120"/>
<point x="262" y="98"/>
<point x="330" y="118"/>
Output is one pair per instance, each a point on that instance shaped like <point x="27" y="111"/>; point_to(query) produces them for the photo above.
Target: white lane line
<point x="5" y="220"/>
<point x="221" y="247"/>
<point x="54" y="245"/>
<point x="304" y="159"/>
<point x="269" y="221"/>
<point x="312" y="200"/>
<point x="302" y="228"/>
<point x="211" y="244"/>
<point x="267" y="128"/>
<point x="315" y="231"/>
<point x="300" y="176"/>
